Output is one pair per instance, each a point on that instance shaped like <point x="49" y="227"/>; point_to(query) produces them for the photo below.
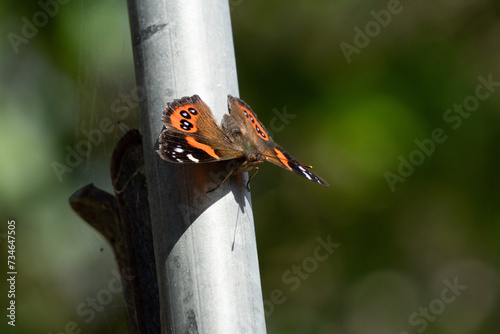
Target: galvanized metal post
<point x="205" y="248"/>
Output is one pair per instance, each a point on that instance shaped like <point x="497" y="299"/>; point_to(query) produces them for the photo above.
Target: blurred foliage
<point x="356" y="119"/>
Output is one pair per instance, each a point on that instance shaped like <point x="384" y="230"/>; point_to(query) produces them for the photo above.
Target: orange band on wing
<point x="282" y="158"/>
<point x="210" y="151"/>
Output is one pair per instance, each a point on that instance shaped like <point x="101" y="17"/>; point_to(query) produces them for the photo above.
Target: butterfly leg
<point x="251" y="177"/>
<point x="227" y="176"/>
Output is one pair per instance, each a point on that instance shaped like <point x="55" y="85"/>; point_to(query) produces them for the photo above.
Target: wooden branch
<point x="124" y="221"/>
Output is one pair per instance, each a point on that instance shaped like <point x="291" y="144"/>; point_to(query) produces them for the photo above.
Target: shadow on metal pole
<point x="205" y="247"/>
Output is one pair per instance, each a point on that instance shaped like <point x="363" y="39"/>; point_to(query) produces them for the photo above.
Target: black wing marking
<point x="283" y="159"/>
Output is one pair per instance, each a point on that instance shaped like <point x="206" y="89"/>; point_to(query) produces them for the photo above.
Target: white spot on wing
<point x="305" y="172"/>
<point x="178" y="150"/>
<point x="193" y="159"/>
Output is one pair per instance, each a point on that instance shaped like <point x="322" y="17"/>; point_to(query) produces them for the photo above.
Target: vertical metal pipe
<point x="205" y="248"/>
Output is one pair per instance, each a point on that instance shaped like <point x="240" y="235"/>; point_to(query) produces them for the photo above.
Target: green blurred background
<point x="415" y="256"/>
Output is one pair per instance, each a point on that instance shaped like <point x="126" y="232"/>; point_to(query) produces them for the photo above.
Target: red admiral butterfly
<point x="193" y="136"/>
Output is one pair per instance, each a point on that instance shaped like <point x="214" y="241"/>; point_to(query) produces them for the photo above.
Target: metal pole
<point x="205" y="248"/>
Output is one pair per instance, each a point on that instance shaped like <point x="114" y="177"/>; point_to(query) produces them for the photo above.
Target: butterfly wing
<point x="255" y="131"/>
<point x="191" y="134"/>
<point x="282" y="158"/>
<point x="247" y="121"/>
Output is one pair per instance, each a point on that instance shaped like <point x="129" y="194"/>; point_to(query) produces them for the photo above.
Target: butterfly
<point x="191" y="135"/>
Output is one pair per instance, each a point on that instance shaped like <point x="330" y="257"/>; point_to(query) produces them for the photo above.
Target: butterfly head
<point x="251" y="161"/>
